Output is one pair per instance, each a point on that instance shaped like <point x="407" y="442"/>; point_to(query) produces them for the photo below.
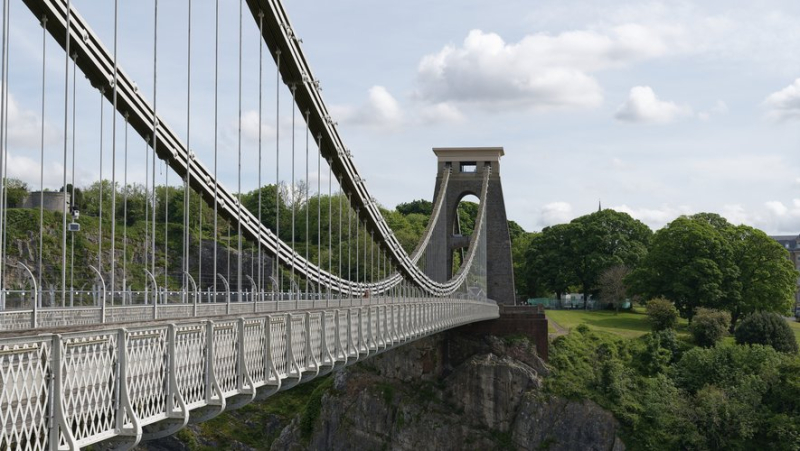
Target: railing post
<point x="194" y="290"/>
<point x="59" y="426"/>
<point x="35" y="310"/>
<point x="102" y="294"/>
<point x="227" y="294"/>
<point x="155" y="293"/>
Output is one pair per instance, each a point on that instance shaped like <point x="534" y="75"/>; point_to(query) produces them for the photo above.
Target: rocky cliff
<point x="450" y="391"/>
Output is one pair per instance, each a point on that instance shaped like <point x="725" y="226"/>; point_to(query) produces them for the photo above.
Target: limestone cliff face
<point x="447" y="392"/>
<point x="451" y="392"/>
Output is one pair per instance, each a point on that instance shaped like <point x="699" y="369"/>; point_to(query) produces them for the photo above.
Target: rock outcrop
<point x="451" y="392"/>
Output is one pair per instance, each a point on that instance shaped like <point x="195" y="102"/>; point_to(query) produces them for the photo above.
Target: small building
<point x="53" y="200"/>
<point x="792" y="244"/>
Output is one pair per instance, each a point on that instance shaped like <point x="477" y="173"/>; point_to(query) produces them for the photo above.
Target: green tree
<point x="16" y="192"/>
<point x="691" y="263"/>
<point x="612" y="285"/>
<point x="766" y="275"/>
<point x="709" y="326"/>
<point x="78" y="201"/>
<point x="548" y="263"/>
<point x="519" y="245"/>
<point x="601" y="240"/>
<point x="661" y="314"/>
<point x="419" y="206"/>
<point x="767" y="328"/>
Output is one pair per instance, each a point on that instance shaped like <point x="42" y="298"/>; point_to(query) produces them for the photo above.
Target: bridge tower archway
<point x="467" y="165"/>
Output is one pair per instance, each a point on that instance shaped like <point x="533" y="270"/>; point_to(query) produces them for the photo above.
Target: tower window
<point x="469" y="166"/>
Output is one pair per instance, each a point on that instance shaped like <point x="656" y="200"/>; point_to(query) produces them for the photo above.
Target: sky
<point x="657" y="109"/>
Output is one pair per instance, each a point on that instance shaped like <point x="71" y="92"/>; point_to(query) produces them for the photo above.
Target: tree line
<point x="697" y="261"/>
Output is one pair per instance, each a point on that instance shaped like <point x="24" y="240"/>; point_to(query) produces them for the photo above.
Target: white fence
<point x="124" y="385"/>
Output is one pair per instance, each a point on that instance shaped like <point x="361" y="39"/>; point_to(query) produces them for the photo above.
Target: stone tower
<point x="467" y="165"/>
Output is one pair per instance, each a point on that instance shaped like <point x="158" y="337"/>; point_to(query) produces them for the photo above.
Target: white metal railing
<point x="52" y="317"/>
<point x="66" y="391"/>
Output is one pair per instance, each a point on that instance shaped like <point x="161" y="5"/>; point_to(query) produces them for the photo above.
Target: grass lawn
<point x="625" y="324"/>
<point x="796" y="329"/>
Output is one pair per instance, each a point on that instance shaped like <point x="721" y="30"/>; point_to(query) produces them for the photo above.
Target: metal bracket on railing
<point x="274" y="287"/>
<point x="103" y="295"/>
<point x="269" y="363"/>
<point x="215" y="399"/>
<point x="35" y="310"/>
<point x="255" y="290"/>
<point x="227" y="294"/>
<point x="128" y="436"/>
<point x="176" y="410"/>
<point x="244" y="383"/>
<point x="60" y="430"/>
<point x="196" y="294"/>
<point x="155" y="293"/>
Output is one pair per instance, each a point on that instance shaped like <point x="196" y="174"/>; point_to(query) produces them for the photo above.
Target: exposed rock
<point x="487" y="388"/>
<point x="561" y="424"/>
<point x="413" y="399"/>
<point x="449" y="391"/>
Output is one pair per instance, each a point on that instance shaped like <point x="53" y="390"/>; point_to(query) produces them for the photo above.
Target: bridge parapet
<point x="127" y="384"/>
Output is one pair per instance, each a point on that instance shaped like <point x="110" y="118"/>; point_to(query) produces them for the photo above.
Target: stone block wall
<point x="529" y="321"/>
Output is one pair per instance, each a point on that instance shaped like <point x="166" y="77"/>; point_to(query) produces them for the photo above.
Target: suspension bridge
<point x="171" y="312"/>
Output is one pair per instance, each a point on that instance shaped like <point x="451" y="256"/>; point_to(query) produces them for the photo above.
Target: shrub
<point x="767" y="328"/>
<point x="709" y="326"/>
<point x="659" y="350"/>
<point x="661" y="313"/>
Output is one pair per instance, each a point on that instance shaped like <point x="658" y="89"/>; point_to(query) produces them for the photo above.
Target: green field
<point x="625" y="324"/>
<point x="796" y="328"/>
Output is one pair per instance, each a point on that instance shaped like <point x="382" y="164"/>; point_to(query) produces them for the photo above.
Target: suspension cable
<point x="278" y="166"/>
<point x="41" y="167"/>
<point x="260" y="101"/>
<point x="216" y="143"/>
<point x="125" y="217"/>
<point x="114" y="159"/>
<point x="155" y="154"/>
<point x="64" y="172"/>
<point x="4" y="153"/>
<point x="239" y="204"/>
<point x="73" y="200"/>
<point x="292" y="187"/>
<point x="186" y="178"/>
<point x="307" y="205"/>
<point x="319" y="214"/>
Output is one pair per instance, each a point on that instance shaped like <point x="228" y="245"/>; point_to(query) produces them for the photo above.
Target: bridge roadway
<point x="140" y="379"/>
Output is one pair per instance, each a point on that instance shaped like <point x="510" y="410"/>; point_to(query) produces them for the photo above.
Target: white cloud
<point x="784" y="105"/>
<point x="250" y="127"/>
<point x="444" y="112"/>
<point x="655" y="218"/>
<point x="25" y="127"/>
<point x="643" y="106"/>
<point x="381" y="110"/>
<point x="776" y="208"/>
<point x="541" y="71"/>
<point x="27" y="170"/>
<point x="781" y="218"/>
<point x="719" y="108"/>
<point x="555" y="213"/>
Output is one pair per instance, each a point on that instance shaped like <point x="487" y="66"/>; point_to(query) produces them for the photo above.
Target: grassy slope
<point x="624" y="324"/>
<point x="796" y="329"/>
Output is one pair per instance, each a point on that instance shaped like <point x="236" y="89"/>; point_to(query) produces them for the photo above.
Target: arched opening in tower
<point x="463" y="225"/>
